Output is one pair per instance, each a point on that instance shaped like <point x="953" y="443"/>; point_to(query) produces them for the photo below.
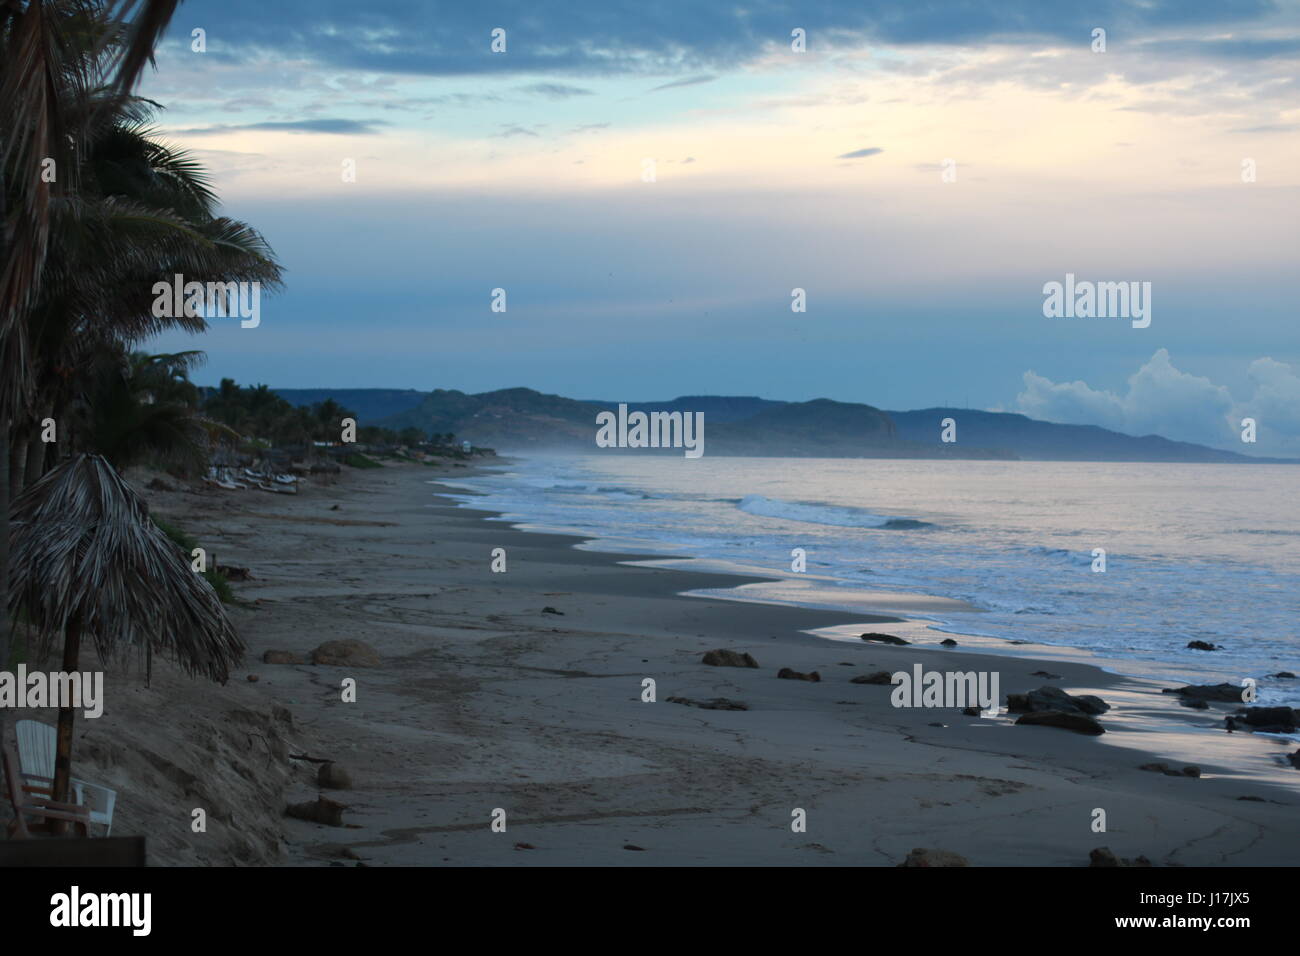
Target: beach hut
<point x="88" y="565"/>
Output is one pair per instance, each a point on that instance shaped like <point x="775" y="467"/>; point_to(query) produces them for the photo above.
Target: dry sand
<point x="482" y="701"/>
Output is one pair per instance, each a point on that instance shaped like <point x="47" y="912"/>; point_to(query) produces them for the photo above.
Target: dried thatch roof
<point x="83" y="547"/>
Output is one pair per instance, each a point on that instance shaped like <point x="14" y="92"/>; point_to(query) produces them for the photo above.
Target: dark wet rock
<point x="1203" y="646"/>
<point x="970" y="711"/>
<point x="716" y="703"/>
<point x="937" y="723"/>
<point x="333" y="777"/>
<point x="633" y="846"/>
<point x="1195" y="703"/>
<point x="1229" y="693"/>
<point x="321" y="810"/>
<point x="725" y="658"/>
<point x="550" y="610"/>
<point x="1266" y="720"/>
<point x="786" y="673"/>
<point x="1046" y="674"/>
<point x="1103" y="856"/>
<point x="879" y="677"/>
<point x="1294" y="759"/>
<point x="1053" y="698"/>
<point x="349" y="653"/>
<point x="884" y="639"/>
<point x="1169" y="771"/>
<point x="281" y="657"/>
<point x="923" y="856"/>
<point x="1253" y="799"/>
<point x="1285" y="675"/>
<point x="1066" y="720"/>
<point x="948" y="642"/>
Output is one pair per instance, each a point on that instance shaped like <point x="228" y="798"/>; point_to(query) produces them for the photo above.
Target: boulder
<point x="1053" y="698"/>
<point x="321" y="810"/>
<point x="1066" y="720"/>
<point x="923" y="856"/>
<point x="786" y="673"/>
<point x="1294" y="759"/>
<point x="724" y="658"/>
<point x="550" y="610"/>
<point x="879" y="677"/>
<point x="884" y="639"/>
<point x="1203" y="646"/>
<point x="349" y="653"/>
<point x="1285" y="675"/>
<point x="1195" y="703"/>
<point x="948" y="642"/>
<point x="1046" y="674"/>
<point x="281" y="657"/>
<point x="1268" y="720"/>
<point x="333" y="777"/>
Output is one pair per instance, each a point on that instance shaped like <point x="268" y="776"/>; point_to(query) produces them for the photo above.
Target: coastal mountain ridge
<point x="523" y="419"/>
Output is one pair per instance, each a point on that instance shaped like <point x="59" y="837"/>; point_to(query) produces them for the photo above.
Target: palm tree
<point x="45" y="68"/>
<point x="91" y="565"/>
<point x="143" y="407"/>
<point x="152" y="206"/>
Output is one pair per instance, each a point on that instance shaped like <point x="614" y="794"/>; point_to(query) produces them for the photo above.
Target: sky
<point x="649" y="183"/>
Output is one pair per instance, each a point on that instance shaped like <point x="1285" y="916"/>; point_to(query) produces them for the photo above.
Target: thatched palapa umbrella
<point x="86" y="560"/>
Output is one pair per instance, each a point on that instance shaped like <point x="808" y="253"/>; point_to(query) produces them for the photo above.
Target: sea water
<point x="1207" y="552"/>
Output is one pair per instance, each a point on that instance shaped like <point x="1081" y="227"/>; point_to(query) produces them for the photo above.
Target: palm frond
<point x="84" y="548"/>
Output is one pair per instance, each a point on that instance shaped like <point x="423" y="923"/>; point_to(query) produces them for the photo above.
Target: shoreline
<point x="481" y="701"/>
<point x="1178" y="733"/>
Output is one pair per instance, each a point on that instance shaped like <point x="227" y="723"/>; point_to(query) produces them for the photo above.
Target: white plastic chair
<point x="37" y="749"/>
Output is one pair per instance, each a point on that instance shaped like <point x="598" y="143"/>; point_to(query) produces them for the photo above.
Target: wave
<point x="834" y="515"/>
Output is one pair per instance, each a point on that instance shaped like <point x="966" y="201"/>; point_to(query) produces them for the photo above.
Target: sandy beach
<point x="482" y="701"/>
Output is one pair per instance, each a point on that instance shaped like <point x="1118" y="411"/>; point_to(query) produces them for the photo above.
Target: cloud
<point x="691" y="81"/>
<point x="861" y="153"/>
<point x="675" y="37"/>
<point x="1162" y="400"/>
<point x="556" y="91"/>
<point x="337" y="126"/>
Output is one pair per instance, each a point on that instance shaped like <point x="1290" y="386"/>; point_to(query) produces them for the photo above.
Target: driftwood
<point x="312" y="759"/>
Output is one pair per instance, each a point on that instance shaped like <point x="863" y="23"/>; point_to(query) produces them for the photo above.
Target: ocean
<point x="1192" y="552"/>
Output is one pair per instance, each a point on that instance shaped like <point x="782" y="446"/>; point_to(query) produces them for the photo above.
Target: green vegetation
<point x="187" y="544"/>
<point x="358" y="460"/>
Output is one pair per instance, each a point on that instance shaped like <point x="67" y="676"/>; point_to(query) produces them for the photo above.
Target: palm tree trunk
<point x="4" y="552"/>
<point x="63" y="755"/>
<point x="17" y="459"/>
<point x="5" y="623"/>
<point x="37" y="457"/>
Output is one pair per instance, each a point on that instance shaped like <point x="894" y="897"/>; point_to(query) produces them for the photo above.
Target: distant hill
<point x="1033" y="439"/>
<point x="521" y="420"/>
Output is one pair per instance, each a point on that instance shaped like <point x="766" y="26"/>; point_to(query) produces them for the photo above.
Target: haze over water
<point x="1193" y="552"/>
